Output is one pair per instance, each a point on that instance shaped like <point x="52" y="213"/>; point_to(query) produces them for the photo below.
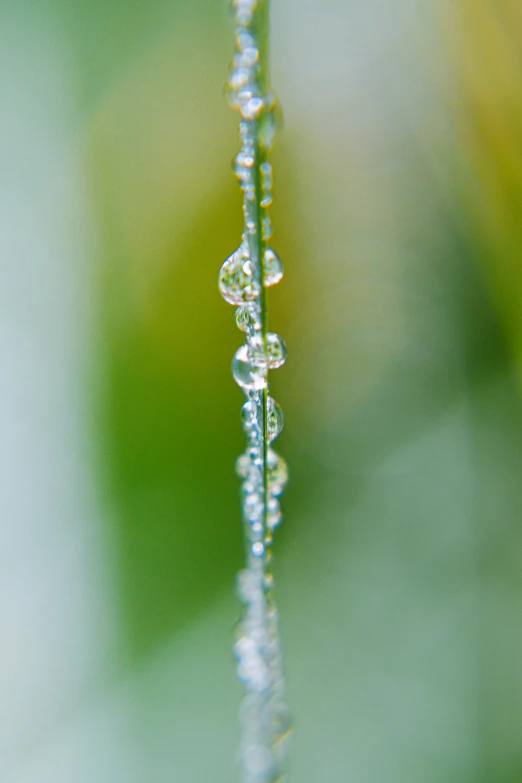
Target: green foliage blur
<point x="399" y="563"/>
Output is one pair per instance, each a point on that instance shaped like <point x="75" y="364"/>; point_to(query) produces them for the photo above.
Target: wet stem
<point x="261" y="158"/>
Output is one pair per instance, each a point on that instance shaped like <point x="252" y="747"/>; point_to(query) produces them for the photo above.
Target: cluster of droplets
<point x="243" y="280"/>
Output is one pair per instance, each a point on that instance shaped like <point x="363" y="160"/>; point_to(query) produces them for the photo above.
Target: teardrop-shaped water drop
<point x="269" y="352"/>
<point x="274" y="419"/>
<point x="236" y="282"/>
<point x="249" y="419"/>
<point x="265" y="170"/>
<point x="245" y="319"/>
<point x="266" y="227"/>
<point x="270" y="122"/>
<point x="272" y="268"/>
<point x="246" y="374"/>
<point x="277" y="472"/>
<point x="243" y="163"/>
<point x="273" y="513"/>
<point x="253" y="507"/>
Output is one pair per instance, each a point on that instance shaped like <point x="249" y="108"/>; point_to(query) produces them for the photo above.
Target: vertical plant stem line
<point x="243" y="280"/>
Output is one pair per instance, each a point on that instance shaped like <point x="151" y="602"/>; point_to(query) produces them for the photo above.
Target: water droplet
<point x="266" y="227"/>
<point x="258" y="549"/>
<point x="269" y="352"/>
<point x="246" y="374"/>
<point x="251" y="106"/>
<point x="249" y="418"/>
<point x="244" y="39"/>
<point x="243" y="163"/>
<point x="273" y="518"/>
<point x="245" y="319"/>
<point x="282" y="722"/>
<point x="271" y="121"/>
<point x="253" y="507"/>
<point x="272" y="268"/>
<point x="266" y="184"/>
<point x="274" y="419"/>
<point x="235" y="284"/>
<point x="247" y="585"/>
<point x="243" y="466"/>
<point x="277" y="472"/>
<point x="249" y="56"/>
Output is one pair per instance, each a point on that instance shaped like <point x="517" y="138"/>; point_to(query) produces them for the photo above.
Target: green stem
<point x="262" y="27"/>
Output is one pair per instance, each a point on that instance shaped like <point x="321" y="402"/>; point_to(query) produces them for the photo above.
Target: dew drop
<point x="273" y="519"/>
<point x="253" y="507"/>
<point x="246" y="374"/>
<point x="235" y="284"/>
<point x="269" y="353"/>
<point x="251" y="106"/>
<point x="277" y="472"/>
<point x="266" y="227"/>
<point x="274" y="419"/>
<point x="270" y="122"/>
<point x="244" y="319"/>
<point x="272" y="268"/>
<point x="247" y="585"/>
<point x="258" y="549"/>
<point x="266" y="184"/>
<point x="243" y="466"/>
<point x="249" y="418"/>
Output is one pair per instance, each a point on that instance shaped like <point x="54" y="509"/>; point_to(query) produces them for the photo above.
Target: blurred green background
<point x="397" y="215"/>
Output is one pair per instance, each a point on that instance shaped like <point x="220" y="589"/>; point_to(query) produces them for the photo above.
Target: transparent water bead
<point x="236" y="282"/>
<point x="277" y="472"/>
<point x="247" y="374"/>
<point x="258" y="549"/>
<point x="273" y="516"/>
<point x="244" y="10"/>
<point x="266" y="227"/>
<point x="249" y="419"/>
<point x="243" y="163"/>
<point x="271" y="121"/>
<point x="251" y="669"/>
<point x="253" y="507"/>
<point x="248" y="585"/>
<point x="266" y="184"/>
<point x="247" y="319"/>
<point x="269" y="352"/>
<point x="272" y="268"/>
<point x="282" y="722"/>
<point x="251" y="107"/>
<point x="274" y="419"/>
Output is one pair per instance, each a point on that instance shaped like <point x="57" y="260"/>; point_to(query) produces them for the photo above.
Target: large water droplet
<point x="246" y="374"/>
<point x="269" y="352"/>
<point x="274" y="419"/>
<point x="236" y="282"/>
<point x="272" y="268"/>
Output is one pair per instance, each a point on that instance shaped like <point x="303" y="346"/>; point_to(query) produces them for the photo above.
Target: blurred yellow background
<point x="398" y="190"/>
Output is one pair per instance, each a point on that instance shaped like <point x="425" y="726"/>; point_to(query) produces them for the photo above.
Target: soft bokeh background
<point x="398" y="216"/>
